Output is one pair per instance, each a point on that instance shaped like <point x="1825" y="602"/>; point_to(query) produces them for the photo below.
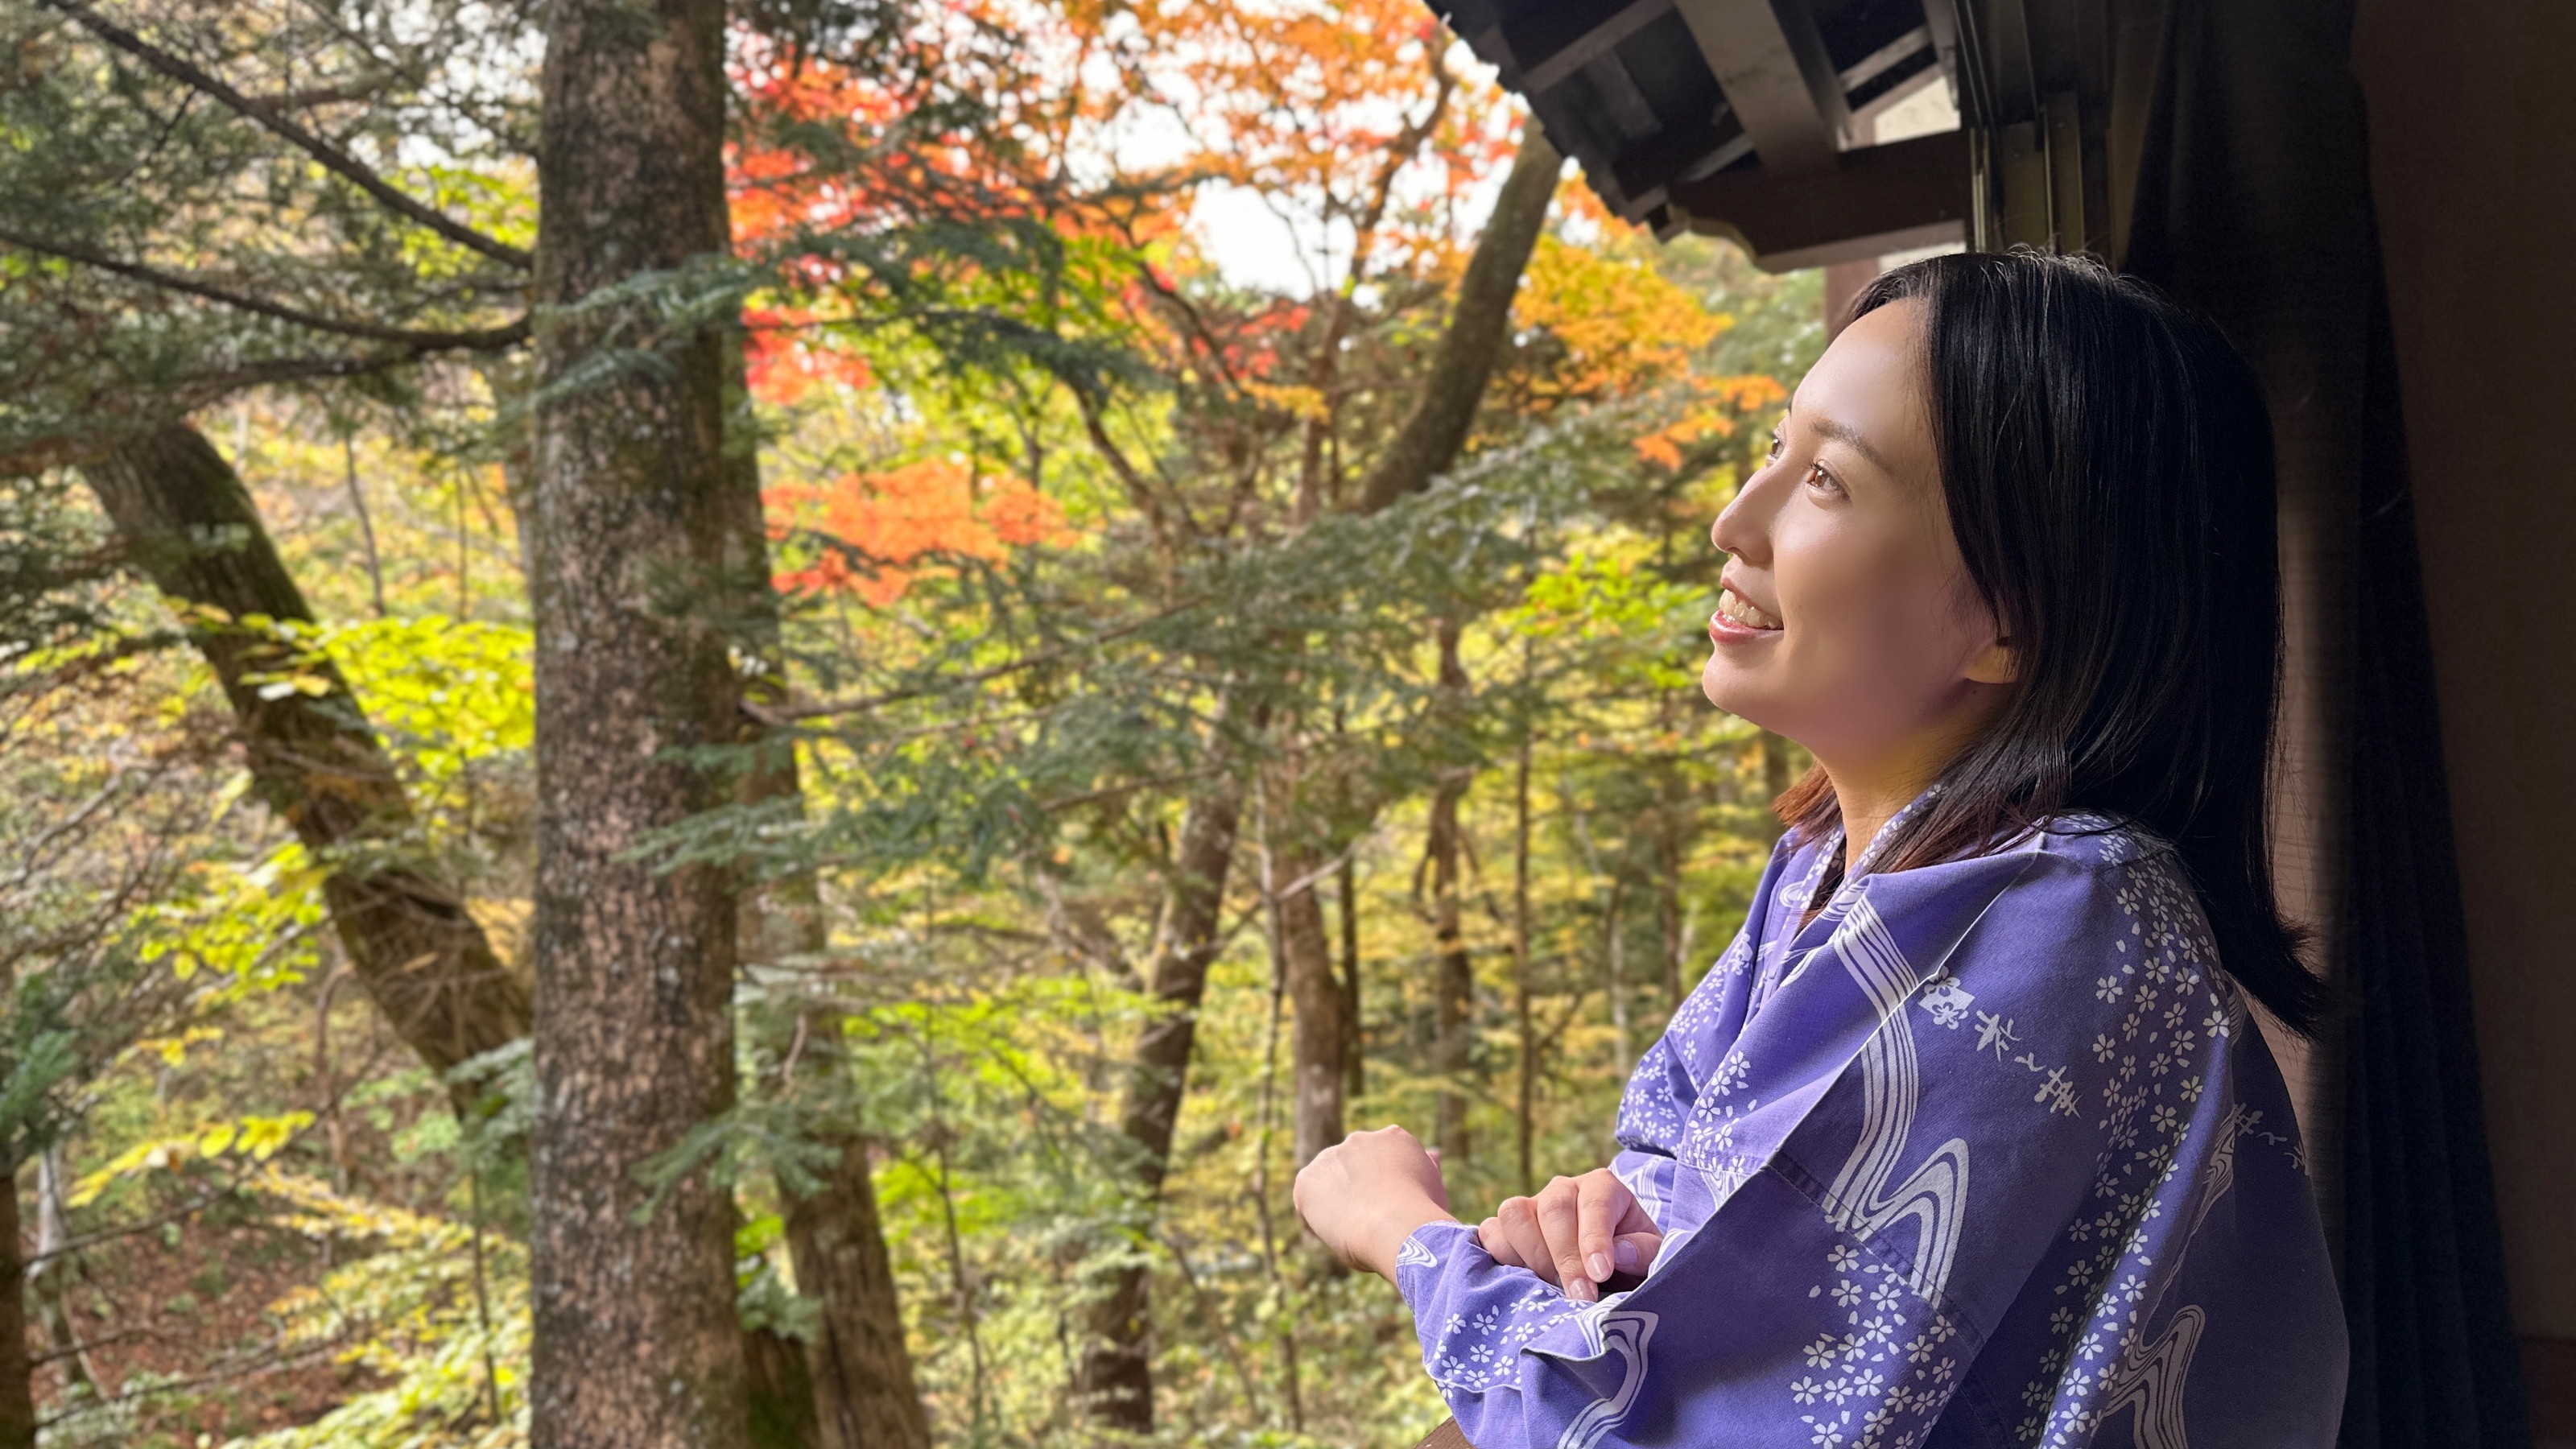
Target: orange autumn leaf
<point x="873" y="534"/>
<point x="1722" y="405"/>
<point x="1613" y="324"/>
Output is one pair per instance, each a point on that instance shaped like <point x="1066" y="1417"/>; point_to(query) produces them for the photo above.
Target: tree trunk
<point x="1454" y="982"/>
<point x="638" y="1345"/>
<point x="861" y="1367"/>
<point x="1354" y="1036"/>
<point x="779" y="1391"/>
<point x="1116" y="1374"/>
<point x="855" y="1387"/>
<point x="49" y="1278"/>
<point x="1429" y="442"/>
<point x="189" y="524"/>
<point x="1315" y="989"/>
<point x="1527" y="1114"/>
<point x="17" y="1391"/>
<point x="1479" y="324"/>
<point x="1116" y="1377"/>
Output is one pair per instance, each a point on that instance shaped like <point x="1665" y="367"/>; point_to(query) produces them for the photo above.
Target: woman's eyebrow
<point x="1843" y="432"/>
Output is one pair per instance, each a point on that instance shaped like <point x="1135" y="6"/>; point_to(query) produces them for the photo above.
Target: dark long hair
<point x="2107" y="462"/>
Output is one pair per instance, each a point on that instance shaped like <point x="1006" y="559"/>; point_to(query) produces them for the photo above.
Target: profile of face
<point x="1847" y="621"/>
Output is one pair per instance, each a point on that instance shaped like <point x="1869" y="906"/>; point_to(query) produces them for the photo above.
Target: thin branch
<point x="348" y="166"/>
<point x="1096" y="429"/>
<point x="484" y="339"/>
<point x="1130" y="787"/>
<point x="776" y="715"/>
<point x="68" y="1350"/>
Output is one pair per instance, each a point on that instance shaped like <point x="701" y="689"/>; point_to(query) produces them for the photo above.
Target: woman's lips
<point x="1737" y="620"/>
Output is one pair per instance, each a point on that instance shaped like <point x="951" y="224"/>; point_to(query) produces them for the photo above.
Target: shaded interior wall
<point x="2473" y="165"/>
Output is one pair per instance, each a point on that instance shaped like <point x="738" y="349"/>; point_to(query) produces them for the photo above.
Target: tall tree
<point x="637" y="1344"/>
<point x="1453" y="987"/>
<point x="858" y="1369"/>
<point x="337" y="113"/>
<point x="190" y="526"/>
<point x="1116" y="1371"/>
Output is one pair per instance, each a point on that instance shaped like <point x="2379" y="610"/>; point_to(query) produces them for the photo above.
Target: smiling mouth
<point x="1735" y="609"/>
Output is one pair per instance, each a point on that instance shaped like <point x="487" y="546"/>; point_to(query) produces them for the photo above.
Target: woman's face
<point x="1847" y="621"/>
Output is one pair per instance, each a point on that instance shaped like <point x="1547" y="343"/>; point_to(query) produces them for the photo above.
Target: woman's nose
<point x="1737" y="531"/>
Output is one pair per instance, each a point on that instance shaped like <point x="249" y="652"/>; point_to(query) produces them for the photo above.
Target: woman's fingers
<point x="1560" y="1221"/>
<point x="1604" y="1209"/>
<point x="1633" y="1253"/>
<point x="1577" y="1233"/>
<point x="1519" y="1219"/>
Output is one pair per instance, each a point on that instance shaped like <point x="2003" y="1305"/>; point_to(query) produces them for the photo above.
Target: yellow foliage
<point x="1615" y="324"/>
<point x="257" y="1138"/>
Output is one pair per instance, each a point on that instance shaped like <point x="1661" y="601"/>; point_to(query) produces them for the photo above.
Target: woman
<point x="1970" y="1138"/>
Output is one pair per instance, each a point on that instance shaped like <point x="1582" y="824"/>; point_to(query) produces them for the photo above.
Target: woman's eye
<point x="1777" y="444"/>
<point x="1818" y="478"/>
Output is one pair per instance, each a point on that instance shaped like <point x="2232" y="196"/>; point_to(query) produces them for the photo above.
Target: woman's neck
<point x="1867" y="806"/>
<point x="1870" y="792"/>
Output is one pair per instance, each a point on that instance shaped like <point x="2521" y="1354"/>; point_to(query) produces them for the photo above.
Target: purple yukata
<point x="1989" y="1153"/>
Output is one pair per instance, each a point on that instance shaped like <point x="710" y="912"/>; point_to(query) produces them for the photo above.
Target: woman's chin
<point x="1728" y="689"/>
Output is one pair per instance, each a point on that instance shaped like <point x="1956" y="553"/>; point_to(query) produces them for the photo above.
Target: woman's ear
<point x="1997" y="663"/>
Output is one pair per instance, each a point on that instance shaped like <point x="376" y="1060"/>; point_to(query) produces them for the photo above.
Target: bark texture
<point x="1116" y="1375"/>
<point x="861" y="1369"/>
<point x="17" y="1393"/>
<point x="638" y="1345"/>
<point x="189" y="524"/>
<point x="1479" y="324"/>
<point x="1315" y="991"/>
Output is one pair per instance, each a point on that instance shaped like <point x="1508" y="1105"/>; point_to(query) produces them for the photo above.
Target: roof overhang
<point x="1751" y="118"/>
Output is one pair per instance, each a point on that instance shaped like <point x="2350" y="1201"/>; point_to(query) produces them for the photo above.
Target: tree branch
<point x="484" y="339"/>
<point x="1437" y="427"/>
<point x="349" y="167"/>
<point x="776" y="716"/>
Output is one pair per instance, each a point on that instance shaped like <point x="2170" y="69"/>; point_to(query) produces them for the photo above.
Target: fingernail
<point x="1581" y="1290"/>
<point x="1626" y="1253"/>
<point x="1598" y="1265"/>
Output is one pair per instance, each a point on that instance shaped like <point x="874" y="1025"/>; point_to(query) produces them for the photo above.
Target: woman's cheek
<point x="1862" y="670"/>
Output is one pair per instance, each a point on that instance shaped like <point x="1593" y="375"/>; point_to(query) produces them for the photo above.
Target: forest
<point x="730" y="725"/>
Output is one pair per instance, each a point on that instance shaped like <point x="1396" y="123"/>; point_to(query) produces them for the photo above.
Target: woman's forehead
<point x="1867" y="391"/>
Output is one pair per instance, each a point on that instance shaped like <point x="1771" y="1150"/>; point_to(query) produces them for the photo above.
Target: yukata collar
<point x="1831" y="845"/>
<point x="1886" y="833"/>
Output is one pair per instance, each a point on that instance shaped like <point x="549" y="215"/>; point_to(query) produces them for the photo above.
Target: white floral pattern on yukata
<point x="1942" y="1165"/>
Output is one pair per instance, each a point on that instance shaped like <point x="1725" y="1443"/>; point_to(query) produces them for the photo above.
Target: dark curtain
<point x="2434" y="1359"/>
<point x="2252" y="203"/>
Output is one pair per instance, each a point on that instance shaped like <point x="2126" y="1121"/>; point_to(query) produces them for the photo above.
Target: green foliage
<point x="435" y="1308"/>
<point x="996" y="755"/>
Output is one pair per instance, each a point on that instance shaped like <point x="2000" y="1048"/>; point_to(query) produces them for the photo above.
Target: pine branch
<point x="482" y="339"/>
<point x="349" y="167"/>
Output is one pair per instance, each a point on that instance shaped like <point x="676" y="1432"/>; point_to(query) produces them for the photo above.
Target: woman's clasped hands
<point x="1365" y="1196"/>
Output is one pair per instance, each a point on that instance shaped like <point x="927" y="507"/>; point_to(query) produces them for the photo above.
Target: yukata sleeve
<point x="1730" y="1341"/>
<point x="1475" y="1315"/>
<point x="1651" y="1116"/>
<point x="1869" y="1187"/>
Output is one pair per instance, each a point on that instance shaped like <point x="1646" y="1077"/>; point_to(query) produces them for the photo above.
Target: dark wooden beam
<point x="1873" y="200"/>
<point x="1779" y="80"/>
<point x="1546" y="74"/>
